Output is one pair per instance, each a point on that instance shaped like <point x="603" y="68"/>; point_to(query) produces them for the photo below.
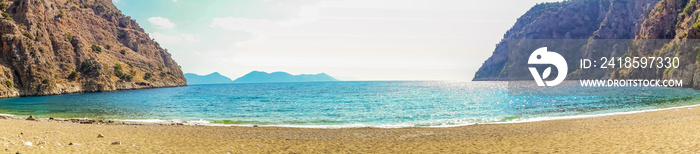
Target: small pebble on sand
<point x="31" y="118"/>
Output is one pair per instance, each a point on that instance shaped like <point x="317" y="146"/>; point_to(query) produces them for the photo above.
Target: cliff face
<point x="673" y="22"/>
<point x="52" y="47"/>
<point x="678" y="21"/>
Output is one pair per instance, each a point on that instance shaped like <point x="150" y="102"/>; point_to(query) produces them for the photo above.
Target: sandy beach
<point x="673" y="130"/>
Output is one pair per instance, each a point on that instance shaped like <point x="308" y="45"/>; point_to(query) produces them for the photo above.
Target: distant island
<point x="213" y="78"/>
<point x="264" y="77"/>
<point x="256" y="77"/>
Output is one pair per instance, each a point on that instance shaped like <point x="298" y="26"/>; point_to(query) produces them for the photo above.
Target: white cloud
<point x="115" y="1"/>
<point x="161" y="22"/>
<point x="306" y="14"/>
<point x="246" y="30"/>
<point x="175" y="39"/>
<point x="234" y="24"/>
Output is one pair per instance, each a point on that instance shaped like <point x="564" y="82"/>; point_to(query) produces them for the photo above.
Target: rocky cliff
<point x="674" y="22"/>
<point x="52" y="47"/>
<point x="677" y="21"/>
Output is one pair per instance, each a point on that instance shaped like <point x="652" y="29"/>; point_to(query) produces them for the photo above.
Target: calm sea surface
<point x="376" y="103"/>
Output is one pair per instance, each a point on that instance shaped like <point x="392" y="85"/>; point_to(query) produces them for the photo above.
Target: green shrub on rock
<point x="147" y="76"/>
<point x="74" y="75"/>
<point x="28" y="35"/>
<point x="7" y="16"/>
<point x="96" y="48"/>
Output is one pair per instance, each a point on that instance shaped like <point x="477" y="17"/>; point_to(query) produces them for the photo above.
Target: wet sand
<point x="674" y="130"/>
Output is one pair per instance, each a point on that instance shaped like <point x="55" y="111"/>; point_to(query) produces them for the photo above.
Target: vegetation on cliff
<point x="52" y="47"/>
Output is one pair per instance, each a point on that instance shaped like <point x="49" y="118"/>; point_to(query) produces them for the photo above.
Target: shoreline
<point x="94" y="91"/>
<point x="670" y="130"/>
<point x="388" y="126"/>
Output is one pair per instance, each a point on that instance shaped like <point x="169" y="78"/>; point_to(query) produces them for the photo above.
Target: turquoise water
<point x="377" y="103"/>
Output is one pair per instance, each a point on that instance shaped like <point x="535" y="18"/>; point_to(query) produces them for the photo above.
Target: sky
<point x="347" y="39"/>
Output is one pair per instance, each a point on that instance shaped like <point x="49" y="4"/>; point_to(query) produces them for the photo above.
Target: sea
<point x="385" y="104"/>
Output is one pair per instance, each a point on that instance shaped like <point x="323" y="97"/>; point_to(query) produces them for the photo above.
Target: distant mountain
<point x="264" y="77"/>
<point x="213" y="78"/>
